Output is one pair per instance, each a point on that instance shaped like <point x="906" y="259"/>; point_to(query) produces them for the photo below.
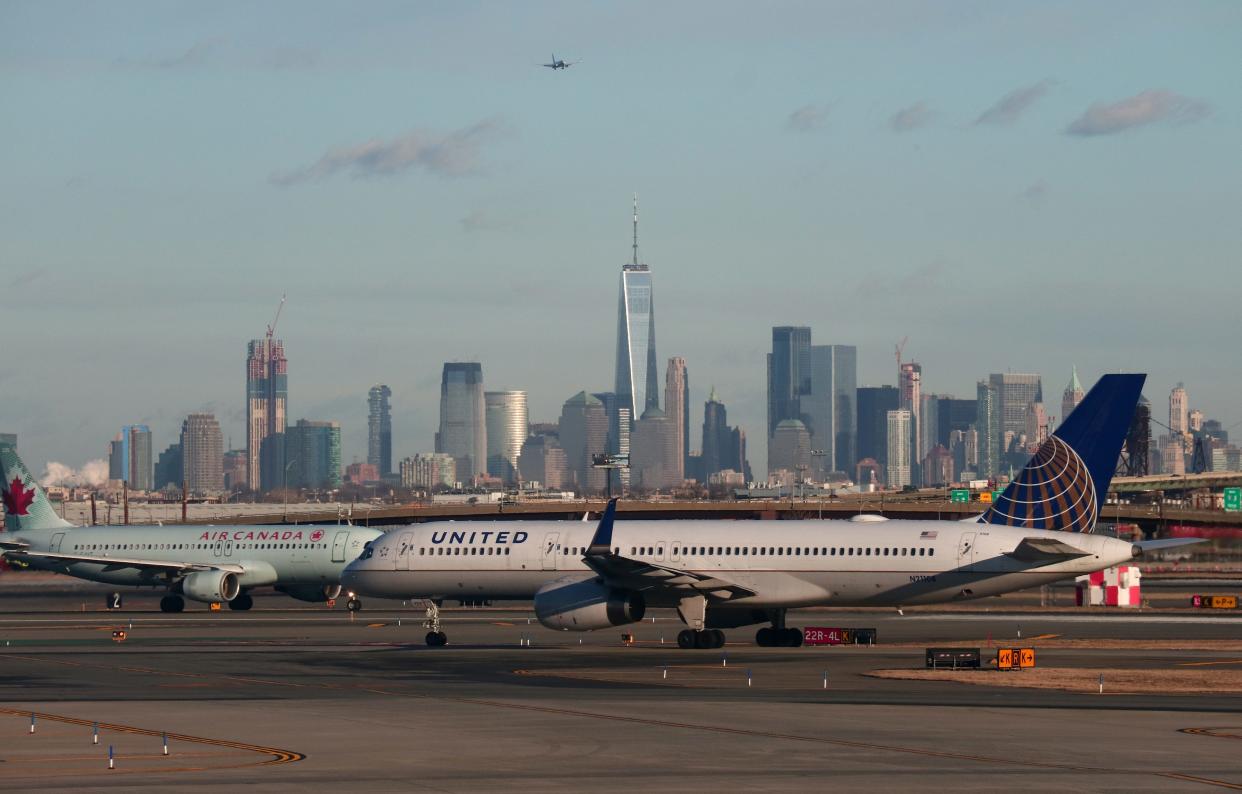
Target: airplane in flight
<point x="201" y="563"/>
<point x="729" y="574"/>
<point x="558" y="64"/>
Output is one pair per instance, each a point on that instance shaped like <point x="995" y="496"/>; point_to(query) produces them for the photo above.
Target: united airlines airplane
<point x="727" y="574"/>
<point x="202" y="563"/>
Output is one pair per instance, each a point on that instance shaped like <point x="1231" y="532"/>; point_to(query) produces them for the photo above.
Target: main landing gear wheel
<point x="436" y="639"/>
<point x="709" y="638"/>
<point x="242" y="602"/>
<point x="353" y="605"/>
<point x="778" y="638"/>
<point x="172" y="603"/>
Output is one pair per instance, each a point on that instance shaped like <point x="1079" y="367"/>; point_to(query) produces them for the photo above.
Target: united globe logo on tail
<point x="1054" y="491"/>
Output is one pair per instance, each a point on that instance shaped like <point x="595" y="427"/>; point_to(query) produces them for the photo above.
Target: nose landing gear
<point x="435" y="638"/>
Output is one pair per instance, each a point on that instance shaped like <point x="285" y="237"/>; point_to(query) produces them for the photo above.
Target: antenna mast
<point x="635" y="229"/>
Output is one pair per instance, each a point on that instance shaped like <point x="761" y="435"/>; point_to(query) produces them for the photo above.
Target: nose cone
<point x="353" y="577"/>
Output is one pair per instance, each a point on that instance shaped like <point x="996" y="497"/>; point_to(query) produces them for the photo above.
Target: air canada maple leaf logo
<point x="17" y="499"/>
<point x="317" y="535"/>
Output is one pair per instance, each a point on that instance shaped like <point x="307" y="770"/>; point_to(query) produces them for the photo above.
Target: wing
<point x="626" y="572"/>
<point x="114" y="563"/>
<point x="1046" y="550"/>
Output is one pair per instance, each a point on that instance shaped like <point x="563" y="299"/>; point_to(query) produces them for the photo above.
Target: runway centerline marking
<point x="650" y="721"/>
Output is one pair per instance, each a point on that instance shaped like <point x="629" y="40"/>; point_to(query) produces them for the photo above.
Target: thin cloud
<point x="483" y="221"/>
<point x="808" y="118"/>
<point x="197" y="55"/>
<point x="1148" y="107"/>
<point x="911" y="118"/>
<point x="1009" y="108"/>
<point x="451" y="154"/>
<point x="1034" y="193"/>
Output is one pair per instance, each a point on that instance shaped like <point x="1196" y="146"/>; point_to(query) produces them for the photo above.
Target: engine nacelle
<point x="316" y="594"/>
<point x="211" y="586"/>
<point x="586" y="605"/>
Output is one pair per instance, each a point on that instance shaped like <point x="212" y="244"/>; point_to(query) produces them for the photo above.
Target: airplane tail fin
<point x="1064" y="484"/>
<point x="26" y="506"/>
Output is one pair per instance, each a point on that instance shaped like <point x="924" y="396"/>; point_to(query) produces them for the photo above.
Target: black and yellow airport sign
<point x="1015" y="658"/>
<point x="1214" y="602"/>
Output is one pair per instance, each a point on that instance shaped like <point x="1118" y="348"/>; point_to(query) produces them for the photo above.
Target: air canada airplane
<point x="727" y="574"/>
<point x="202" y="563"/>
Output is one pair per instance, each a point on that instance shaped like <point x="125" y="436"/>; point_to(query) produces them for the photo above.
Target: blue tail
<point x="1064" y="484"/>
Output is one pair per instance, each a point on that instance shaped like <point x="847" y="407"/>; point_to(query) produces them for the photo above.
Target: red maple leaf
<point x="17" y="498"/>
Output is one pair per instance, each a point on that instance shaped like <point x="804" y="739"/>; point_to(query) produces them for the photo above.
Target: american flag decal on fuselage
<point x="1054" y="491"/>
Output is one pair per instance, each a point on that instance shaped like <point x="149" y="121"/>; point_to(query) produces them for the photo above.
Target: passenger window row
<point x="786" y="551"/>
<point x="458" y="551"/>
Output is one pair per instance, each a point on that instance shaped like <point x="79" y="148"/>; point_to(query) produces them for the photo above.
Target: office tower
<point x="937" y="467"/>
<point x="1015" y="391"/>
<point x="788" y="374"/>
<point x="929" y="426"/>
<point x="654" y="452"/>
<point x="618" y="442"/>
<point x="544" y="462"/>
<point x="1195" y="417"/>
<point x="361" y="473"/>
<point x="952" y="414"/>
<point x="202" y="454"/>
<point x="168" y="468"/>
<point x="463" y="425"/>
<point x="910" y="389"/>
<point x="314" y="455"/>
<point x="1136" y="453"/>
<point x="637" y="378"/>
<point x="130" y="455"/>
<point x="1072" y="395"/>
<point x="964" y="444"/>
<point x="429" y="471"/>
<point x="1179" y="406"/>
<point x="677" y="407"/>
<point x="235" y="478"/>
<point x="828" y="406"/>
<point x="583" y="433"/>
<point x="1172" y="455"/>
<point x="988" y="426"/>
<point x="874" y="403"/>
<point x="716" y="441"/>
<point x="379" y="429"/>
<point x="507" y="426"/>
<point x="790" y="450"/>
<point x="1036" y="429"/>
<point x="267" y="396"/>
<point x="897" y="470"/>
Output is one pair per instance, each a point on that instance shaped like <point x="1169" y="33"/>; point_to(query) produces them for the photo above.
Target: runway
<point x="299" y="695"/>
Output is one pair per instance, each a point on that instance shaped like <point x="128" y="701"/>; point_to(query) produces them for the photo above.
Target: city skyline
<point x="849" y="221"/>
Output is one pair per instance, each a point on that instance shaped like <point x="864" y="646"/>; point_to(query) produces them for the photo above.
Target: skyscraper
<point x="789" y="374"/>
<point x="988" y="426"/>
<point x="1179" y="409"/>
<point x="897" y="470"/>
<point x="267" y="395"/>
<point x="463" y="427"/>
<point x="790" y="449"/>
<point x="131" y="457"/>
<point x="677" y="408"/>
<point x="507" y="427"/>
<point x="874" y="403"/>
<point x="1015" y="390"/>
<point x="379" y="429"/>
<point x="1072" y="395"/>
<point x="828" y="407"/>
<point x="637" y="378"/>
<point x="168" y="468"/>
<point x="314" y="455"/>
<point x="724" y="447"/>
<point x="202" y="454"/>
<point x="583" y="433"/>
<point x="910" y="389"/>
<point x="654" y="452"/>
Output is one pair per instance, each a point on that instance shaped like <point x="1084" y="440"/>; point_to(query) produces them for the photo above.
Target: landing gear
<point x="172" y="603"/>
<point x="435" y="637"/>
<point x="242" y="602"/>
<point x="709" y="638"/>
<point x="353" y="605"/>
<point x="778" y="638"/>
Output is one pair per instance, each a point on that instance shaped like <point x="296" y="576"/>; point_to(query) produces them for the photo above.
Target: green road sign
<point x="1233" y="500"/>
<point x="959" y="495"/>
<point x="996" y="496"/>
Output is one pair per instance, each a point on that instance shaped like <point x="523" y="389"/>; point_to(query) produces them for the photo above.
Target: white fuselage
<point x="266" y="555"/>
<point x="784" y="563"/>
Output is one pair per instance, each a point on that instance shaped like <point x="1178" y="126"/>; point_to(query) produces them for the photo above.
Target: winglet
<point x="601" y="543"/>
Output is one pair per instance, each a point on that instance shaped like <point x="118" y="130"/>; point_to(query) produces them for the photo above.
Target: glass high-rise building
<point x="507" y="426"/>
<point x="202" y="454"/>
<point x="463" y="427"/>
<point x="789" y="375"/>
<point x="1015" y="390"/>
<point x="267" y="396"/>
<point x="379" y="429"/>
<point x="131" y="453"/>
<point x="989" y="425"/>
<point x="637" y="377"/>
<point x="583" y="433"/>
<point x="314" y="455"/>
<point x="828" y="406"/>
<point x="874" y="403"/>
<point x="900" y="437"/>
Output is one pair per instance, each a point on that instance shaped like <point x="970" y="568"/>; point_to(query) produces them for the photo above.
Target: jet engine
<point x="211" y="586"/>
<point x="314" y="593"/>
<point x="586" y="605"/>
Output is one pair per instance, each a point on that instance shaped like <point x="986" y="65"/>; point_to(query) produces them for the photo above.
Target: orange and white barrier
<point x="1111" y="587"/>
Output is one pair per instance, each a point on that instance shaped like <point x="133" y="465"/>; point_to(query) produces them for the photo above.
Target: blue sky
<point x="1012" y="185"/>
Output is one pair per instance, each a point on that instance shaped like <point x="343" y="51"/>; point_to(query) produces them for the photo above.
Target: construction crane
<point x="899" y="349"/>
<point x="271" y="329"/>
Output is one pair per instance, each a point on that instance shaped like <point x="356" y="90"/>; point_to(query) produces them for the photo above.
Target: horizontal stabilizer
<point x="1143" y="546"/>
<point x="1041" y="549"/>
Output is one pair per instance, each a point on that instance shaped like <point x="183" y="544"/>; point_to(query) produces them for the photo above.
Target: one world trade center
<point x="637" y="379"/>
